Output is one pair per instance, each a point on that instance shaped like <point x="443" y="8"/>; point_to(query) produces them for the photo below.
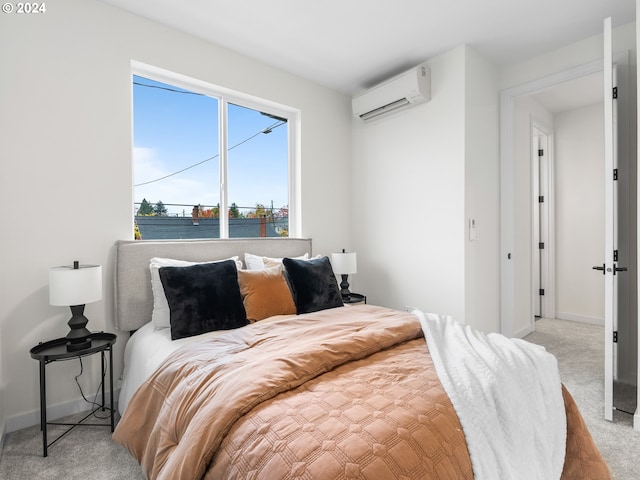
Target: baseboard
<point x="3" y="428"/>
<point x="523" y="332"/>
<point x="54" y="412"/>
<point x="580" y="318"/>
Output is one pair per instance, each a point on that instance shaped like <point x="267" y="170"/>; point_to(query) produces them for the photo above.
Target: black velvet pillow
<point x="203" y="298"/>
<point x="313" y="284"/>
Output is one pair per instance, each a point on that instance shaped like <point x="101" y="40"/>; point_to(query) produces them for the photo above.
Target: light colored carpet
<point x="88" y="452"/>
<point x="85" y="452"/>
<point x="579" y="349"/>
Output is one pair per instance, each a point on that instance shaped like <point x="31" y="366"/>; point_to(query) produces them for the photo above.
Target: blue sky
<point x="173" y="131"/>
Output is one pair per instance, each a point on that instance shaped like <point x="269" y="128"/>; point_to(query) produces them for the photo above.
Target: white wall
<point x="3" y="416"/>
<point x="408" y="199"/>
<point x="417" y="177"/>
<point x="482" y="194"/>
<point x="579" y="227"/>
<point x="66" y="172"/>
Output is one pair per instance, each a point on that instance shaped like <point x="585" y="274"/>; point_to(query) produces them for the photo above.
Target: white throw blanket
<point x="508" y="397"/>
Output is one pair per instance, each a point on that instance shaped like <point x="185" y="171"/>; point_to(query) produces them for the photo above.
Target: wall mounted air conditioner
<point x="403" y="91"/>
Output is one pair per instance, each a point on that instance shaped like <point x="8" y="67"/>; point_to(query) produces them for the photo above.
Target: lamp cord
<point x="94" y="403"/>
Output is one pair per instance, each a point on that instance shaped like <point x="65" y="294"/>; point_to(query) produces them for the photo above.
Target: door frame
<point x="508" y="98"/>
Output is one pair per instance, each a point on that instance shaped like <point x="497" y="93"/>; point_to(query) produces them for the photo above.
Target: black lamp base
<point x="78" y="336"/>
<point x="344" y="287"/>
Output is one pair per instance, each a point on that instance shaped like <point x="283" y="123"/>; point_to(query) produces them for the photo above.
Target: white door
<point x="537" y="234"/>
<point x="610" y="267"/>
<point x="542" y="284"/>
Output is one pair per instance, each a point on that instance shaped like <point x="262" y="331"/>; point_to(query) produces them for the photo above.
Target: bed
<point x="303" y="387"/>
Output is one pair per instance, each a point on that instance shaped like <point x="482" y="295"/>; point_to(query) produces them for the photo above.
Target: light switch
<point x="473" y="230"/>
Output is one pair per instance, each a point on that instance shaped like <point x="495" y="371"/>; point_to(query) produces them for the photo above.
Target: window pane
<point x="176" y="161"/>
<point x="177" y="165"/>
<point x="258" y="168"/>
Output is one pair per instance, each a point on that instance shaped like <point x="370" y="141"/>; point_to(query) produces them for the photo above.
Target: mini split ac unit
<point x="403" y="91"/>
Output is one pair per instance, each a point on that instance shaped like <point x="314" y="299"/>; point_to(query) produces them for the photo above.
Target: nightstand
<point x="354" y="298"/>
<point x="56" y="350"/>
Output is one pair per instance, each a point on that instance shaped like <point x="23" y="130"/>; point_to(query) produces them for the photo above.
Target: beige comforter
<point x="344" y="393"/>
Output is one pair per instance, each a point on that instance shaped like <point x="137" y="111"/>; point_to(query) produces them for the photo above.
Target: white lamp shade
<point x="75" y="286"/>
<point x="344" y="263"/>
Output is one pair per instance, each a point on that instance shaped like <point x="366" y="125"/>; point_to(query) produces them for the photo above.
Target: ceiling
<point x="349" y="45"/>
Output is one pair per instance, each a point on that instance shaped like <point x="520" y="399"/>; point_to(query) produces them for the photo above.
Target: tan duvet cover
<point x="343" y="393"/>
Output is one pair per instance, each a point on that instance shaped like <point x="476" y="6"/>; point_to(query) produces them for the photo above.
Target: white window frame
<point x="224" y="97"/>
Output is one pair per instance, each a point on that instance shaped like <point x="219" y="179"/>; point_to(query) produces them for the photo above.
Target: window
<point x="199" y="152"/>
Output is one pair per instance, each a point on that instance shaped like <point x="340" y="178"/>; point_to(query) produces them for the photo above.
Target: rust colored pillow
<point x="265" y="293"/>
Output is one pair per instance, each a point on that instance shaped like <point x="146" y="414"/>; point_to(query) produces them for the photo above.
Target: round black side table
<point x="56" y="350"/>
<point x="354" y="298"/>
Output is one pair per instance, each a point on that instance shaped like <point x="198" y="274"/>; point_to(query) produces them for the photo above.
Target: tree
<point x="145" y="208"/>
<point x="261" y="211"/>
<point x="159" y="209"/>
<point x="213" y="212"/>
<point x="234" y="212"/>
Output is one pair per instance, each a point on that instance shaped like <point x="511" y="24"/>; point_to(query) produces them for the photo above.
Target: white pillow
<point x="161" y="313"/>
<point x="257" y="262"/>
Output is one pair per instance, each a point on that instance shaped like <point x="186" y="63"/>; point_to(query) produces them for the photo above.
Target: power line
<point x="188" y="92"/>
<point x="268" y="129"/>
<point x="175" y="90"/>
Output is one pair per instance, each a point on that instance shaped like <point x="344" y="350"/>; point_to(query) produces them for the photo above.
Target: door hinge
<point x="541" y="245"/>
<point x="540" y="152"/>
<point x="615" y="174"/>
<point x="615" y="337"/>
<point x="615" y="92"/>
<point x="541" y="199"/>
<point x="541" y="291"/>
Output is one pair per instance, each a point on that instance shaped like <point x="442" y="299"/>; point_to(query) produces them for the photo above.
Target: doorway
<point x="517" y="241"/>
<point x="567" y="207"/>
<point x="517" y="317"/>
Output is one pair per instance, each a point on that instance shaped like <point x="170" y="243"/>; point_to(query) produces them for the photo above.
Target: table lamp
<point x="75" y="286"/>
<point x="344" y="264"/>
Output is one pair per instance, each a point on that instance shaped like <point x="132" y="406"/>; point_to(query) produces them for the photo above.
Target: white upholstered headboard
<point x="133" y="296"/>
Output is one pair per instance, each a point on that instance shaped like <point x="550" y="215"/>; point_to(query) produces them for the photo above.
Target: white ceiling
<point x="350" y="45"/>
